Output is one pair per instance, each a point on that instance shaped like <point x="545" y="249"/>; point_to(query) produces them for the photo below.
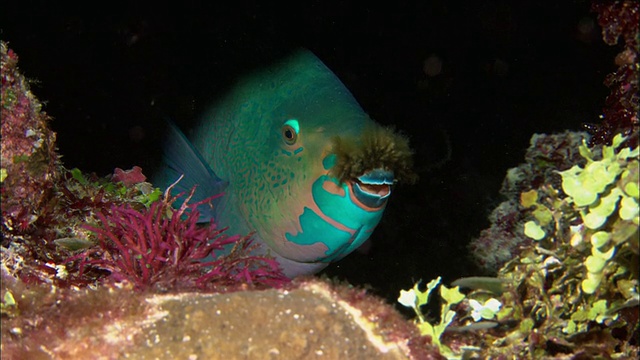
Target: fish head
<point x="330" y="173"/>
<point x="307" y="170"/>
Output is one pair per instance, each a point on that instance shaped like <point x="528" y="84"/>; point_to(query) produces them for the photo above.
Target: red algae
<point x="129" y="177"/>
<point x="29" y="160"/>
<point x="620" y="114"/>
<point x="152" y="249"/>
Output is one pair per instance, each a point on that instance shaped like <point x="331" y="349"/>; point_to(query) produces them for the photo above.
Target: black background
<point x="108" y="72"/>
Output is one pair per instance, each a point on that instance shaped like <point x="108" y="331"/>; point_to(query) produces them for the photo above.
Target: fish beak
<point x="372" y="188"/>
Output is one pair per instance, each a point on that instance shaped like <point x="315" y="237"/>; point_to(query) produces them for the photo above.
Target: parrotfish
<point x="299" y="163"/>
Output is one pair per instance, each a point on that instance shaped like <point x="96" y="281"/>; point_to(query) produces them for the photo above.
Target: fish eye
<point x="290" y="131"/>
<point x="289" y="135"/>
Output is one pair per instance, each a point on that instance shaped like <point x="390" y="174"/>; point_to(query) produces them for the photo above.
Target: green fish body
<point x="299" y="162"/>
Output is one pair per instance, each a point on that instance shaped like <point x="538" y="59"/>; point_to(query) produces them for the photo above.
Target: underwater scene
<point x="323" y="180"/>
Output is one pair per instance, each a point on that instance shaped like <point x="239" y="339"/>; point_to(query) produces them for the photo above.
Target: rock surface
<point x="305" y="323"/>
<point x="312" y="320"/>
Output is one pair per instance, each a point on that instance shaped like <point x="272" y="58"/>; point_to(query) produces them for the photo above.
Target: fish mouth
<point x="372" y="189"/>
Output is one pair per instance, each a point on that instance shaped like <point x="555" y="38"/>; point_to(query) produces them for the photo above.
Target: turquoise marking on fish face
<point x="341" y="206"/>
<point x="329" y="161"/>
<point x="295" y="125"/>
<point x="338" y="222"/>
<point x="312" y="226"/>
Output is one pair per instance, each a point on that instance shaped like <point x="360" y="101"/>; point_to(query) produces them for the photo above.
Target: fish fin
<point x="180" y="157"/>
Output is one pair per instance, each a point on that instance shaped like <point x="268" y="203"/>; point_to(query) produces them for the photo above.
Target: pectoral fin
<point x="180" y="157"/>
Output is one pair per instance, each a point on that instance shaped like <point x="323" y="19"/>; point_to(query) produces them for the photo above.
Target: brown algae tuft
<point x="377" y="148"/>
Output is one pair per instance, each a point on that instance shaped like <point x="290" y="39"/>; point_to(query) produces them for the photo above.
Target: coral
<point x="566" y="239"/>
<point x="498" y="244"/>
<point x="38" y="201"/>
<point x="547" y="153"/>
<point x="29" y="160"/>
<point x="572" y="292"/>
<point x="580" y="281"/>
<point x="620" y="19"/>
<point x="505" y="238"/>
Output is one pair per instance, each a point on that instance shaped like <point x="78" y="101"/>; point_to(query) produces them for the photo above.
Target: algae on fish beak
<point x="377" y="148"/>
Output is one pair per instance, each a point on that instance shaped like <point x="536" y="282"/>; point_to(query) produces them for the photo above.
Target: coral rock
<point x="29" y="159"/>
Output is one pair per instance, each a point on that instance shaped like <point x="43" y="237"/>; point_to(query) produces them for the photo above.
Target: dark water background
<point x="477" y="78"/>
